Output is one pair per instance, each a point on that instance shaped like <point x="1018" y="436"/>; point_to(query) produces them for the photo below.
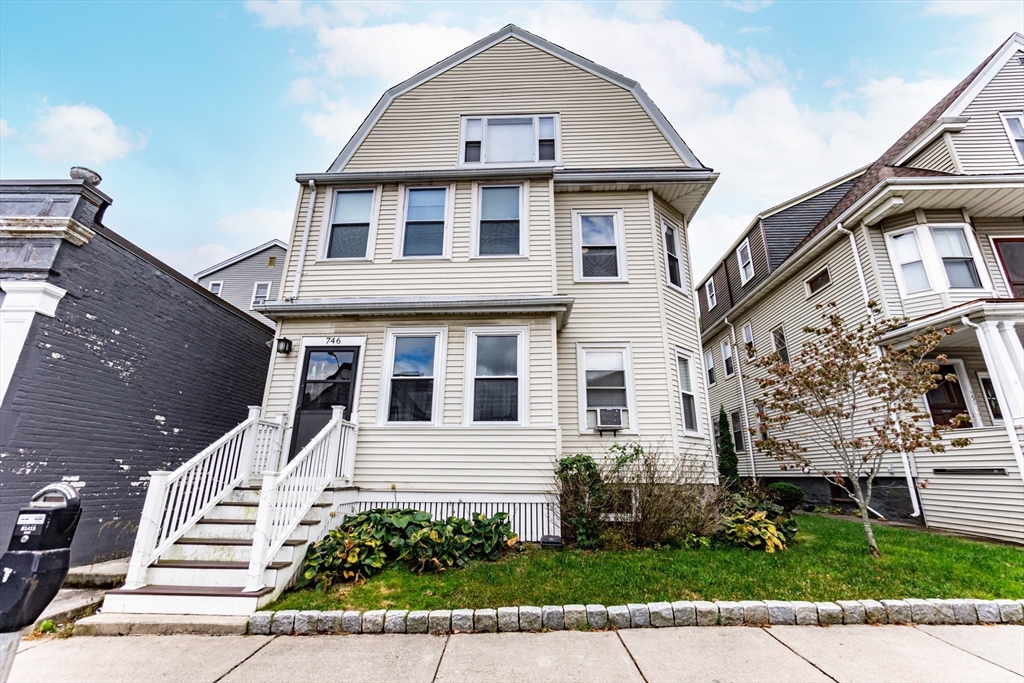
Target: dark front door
<point x="328" y="379"/>
<point x="946" y="401"/>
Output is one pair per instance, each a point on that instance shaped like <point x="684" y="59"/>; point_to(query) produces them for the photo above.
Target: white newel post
<point x="262" y="534"/>
<point x="348" y="446"/>
<point x="149" y="529"/>
<point x="249" y="444"/>
<point x="277" y="451"/>
<point x="334" y="446"/>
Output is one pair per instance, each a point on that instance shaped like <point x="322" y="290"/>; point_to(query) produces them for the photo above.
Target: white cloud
<point x="749" y="6"/>
<point x="81" y="133"/>
<point x="191" y="261"/>
<point x="755" y="29"/>
<point x="709" y="235"/>
<point x="256" y="225"/>
<point x="295" y="13"/>
<point x="987" y="22"/>
<point x="7" y="130"/>
<point x="642" y="9"/>
<point x="234" y="234"/>
<point x="336" y="122"/>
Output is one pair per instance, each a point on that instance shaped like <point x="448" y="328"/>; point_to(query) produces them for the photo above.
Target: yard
<point x="830" y="562"/>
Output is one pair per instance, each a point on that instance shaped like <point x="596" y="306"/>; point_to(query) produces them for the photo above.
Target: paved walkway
<point x="780" y="653"/>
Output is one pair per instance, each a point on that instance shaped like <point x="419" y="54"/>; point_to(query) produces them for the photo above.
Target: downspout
<point x="743" y="393"/>
<point x="305" y="240"/>
<point x="911" y="486"/>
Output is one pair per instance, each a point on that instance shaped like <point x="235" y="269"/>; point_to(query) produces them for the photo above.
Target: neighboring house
<point x="248" y="279"/>
<point x="494" y="272"/>
<point x="111" y="363"/>
<point x="933" y="232"/>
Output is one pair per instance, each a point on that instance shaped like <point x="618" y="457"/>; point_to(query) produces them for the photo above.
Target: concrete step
<point x="112" y="624"/>
<point x="187" y="600"/>
<point x="109" y="574"/>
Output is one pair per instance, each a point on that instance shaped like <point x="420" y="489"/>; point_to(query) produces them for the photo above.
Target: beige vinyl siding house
<point x="250" y="277"/>
<point x="939" y="239"/>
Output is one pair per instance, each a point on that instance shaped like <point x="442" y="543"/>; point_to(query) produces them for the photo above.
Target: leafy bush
<point x="369" y="541"/>
<point x="581" y="500"/>
<point x="789" y="496"/>
<point x="753" y="521"/>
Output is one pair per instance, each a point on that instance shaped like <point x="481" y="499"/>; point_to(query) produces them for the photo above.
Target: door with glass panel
<point x="328" y="379"/>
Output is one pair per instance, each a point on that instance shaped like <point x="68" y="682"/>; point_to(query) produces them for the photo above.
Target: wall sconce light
<point x="284" y="346"/>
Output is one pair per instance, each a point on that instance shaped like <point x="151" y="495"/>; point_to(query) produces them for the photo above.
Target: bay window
<point x="687" y="395"/>
<point x="957" y="260"/>
<point x="672" y="254"/>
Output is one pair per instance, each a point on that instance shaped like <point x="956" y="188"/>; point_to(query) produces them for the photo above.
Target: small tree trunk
<point x="868" y="531"/>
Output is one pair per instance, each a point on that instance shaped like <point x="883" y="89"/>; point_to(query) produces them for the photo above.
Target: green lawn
<point x="830" y="562"/>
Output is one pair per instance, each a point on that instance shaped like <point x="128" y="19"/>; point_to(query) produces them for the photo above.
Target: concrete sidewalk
<point x="780" y="653"/>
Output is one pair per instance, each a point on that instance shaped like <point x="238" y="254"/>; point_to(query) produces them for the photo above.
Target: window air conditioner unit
<point x="609" y="419"/>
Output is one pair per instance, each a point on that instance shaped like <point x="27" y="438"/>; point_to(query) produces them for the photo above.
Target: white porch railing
<point x="287" y="496"/>
<point x="177" y="500"/>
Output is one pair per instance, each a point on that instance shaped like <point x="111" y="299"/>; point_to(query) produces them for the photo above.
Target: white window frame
<point x="626" y="349"/>
<point x="775" y="346"/>
<point x="255" y="287"/>
<point x="483" y="141"/>
<point x="388" y="368"/>
<point x="400" y="218"/>
<point x="984" y="281"/>
<point x="1003" y="116"/>
<point x="476" y="208"/>
<point x="926" y="260"/>
<point x="963" y="380"/>
<point x="933" y="266"/>
<point x="328" y="218"/>
<point x="744" y="278"/>
<point x="744" y="436"/>
<point x="748" y="339"/>
<point x="807" y="282"/>
<point x="620" y="244"/>
<point x="709" y="293"/>
<point x="681" y="287"/>
<point x="523" y="366"/>
<point x="985" y="375"/>
<point x="680" y="353"/>
<point x="726" y="345"/>
<point x="709" y="368"/>
<point x="220" y="287"/>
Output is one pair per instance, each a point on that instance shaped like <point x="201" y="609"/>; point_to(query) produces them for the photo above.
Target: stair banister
<point x="149" y="529"/>
<point x="249" y="443"/>
<point x="262" y="539"/>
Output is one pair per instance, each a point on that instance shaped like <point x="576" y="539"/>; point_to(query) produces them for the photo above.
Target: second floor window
<point x="1011" y="255"/>
<point x="499" y="232"/>
<point x="689" y="398"/>
<point x="425" y="213"/>
<point x="908" y="256"/>
<point x="727" y="358"/>
<point x="350" y="224"/>
<point x="746" y="262"/>
<point x="748" y="340"/>
<point x="509" y="139"/>
<point x="672" y="255"/>
<point x="779" y="339"/>
<point x="951" y="243"/>
<point x="709" y="290"/>
<point x="260" y="293"/>
<point x="601" y="253"/>
<point x="709" y="365"/>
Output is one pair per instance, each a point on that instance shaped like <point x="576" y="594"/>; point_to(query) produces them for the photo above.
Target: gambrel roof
<point x="508" y="31"/>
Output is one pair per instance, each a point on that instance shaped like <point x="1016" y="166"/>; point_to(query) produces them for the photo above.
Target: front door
<point x="328" y="379"/>
<point x="946" y="401"/>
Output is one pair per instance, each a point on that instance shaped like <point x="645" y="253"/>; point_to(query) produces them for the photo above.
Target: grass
<point x="829" y="562"/>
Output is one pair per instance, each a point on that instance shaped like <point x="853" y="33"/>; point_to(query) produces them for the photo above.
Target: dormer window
<point x="510" y="139"/>
<point x="709" y="290"/>
<point x="746" y="262"/>
<point x="1014" y="124"/>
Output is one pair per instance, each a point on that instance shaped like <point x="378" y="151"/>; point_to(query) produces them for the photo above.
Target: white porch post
<point x="334" y="445"/>
<point x="261" y="534"/>
<point x="348" y="446"/>
<point x="1012" y="342"/>
<point x="1005" y="379"/>
<point x="249" y="444"/>
<point x="149" y="529"/>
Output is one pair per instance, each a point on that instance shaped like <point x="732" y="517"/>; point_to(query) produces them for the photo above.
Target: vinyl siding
<point x="239" y="279"/>
<point x="602" y="124"/>
<point x="994" y="228"/>
<point x="983" y="146"/>
<point x="935" y="157"/>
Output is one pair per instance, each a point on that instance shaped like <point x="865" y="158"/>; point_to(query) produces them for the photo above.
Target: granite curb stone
<point x="329" y="622"/>
<point x="875" y="612"/>
<point x="964" y="611"/>
<point x="439" y="621"/>
<point x="853" y="611"/>
<point x="707" y="613"/>
<point x="661" y="614"/>
<point x="755" y="613"/>
<point x="921" y="611"/>
<point x="943" y="611"/>
<point x="780" y="612"/>
<point x="730" y="613"/>
<point x="806" y="613"/>
<point x="394" y="620"/>
<point x="639" y="615"/>
<point x="597" y="616"/>
<point x="898" y="611"/>
<point x="373" y="621"/>
<point x="485" y="620"/>
<point x="684" y="613"/>
<point x="552" y="617"/>
<point x="416" y="621"/>
<point x="575" y="617"/>
<point x="352" y="621"/>
<point x="618" y="616"/>
<point x="1010" y="612"/>
<point x="530" y="618"/>
<point x="462" y="620"/>
<point x="305" y="622"/>
<point x="508" y="619"/>
<point x="829" y="613"/>
<point x="988" y="611"/>
<point x="283" y="622"/>
<point x="259" y="623"/>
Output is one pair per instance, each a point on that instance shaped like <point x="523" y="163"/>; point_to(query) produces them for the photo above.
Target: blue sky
<point x="198" y="114"/>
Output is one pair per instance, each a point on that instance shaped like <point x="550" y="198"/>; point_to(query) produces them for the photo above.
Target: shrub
<point x="728" y="463"/>
<point x="369" y="541"/>
<point x="789" y="496"/>
<point x="581" y="500"/>
<point x="753" y="521"/>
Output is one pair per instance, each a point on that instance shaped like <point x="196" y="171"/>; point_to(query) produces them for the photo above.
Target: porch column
<point x="1005" y="380"/>
<point x="1012" y="342"/>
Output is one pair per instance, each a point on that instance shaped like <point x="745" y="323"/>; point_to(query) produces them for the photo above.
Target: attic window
<point x="746" y="262"/>
<point x="818" y="282"/>
<point x="271" y="262"/>
<point x="510" y="139"/>
<point x="1014" y="124"/>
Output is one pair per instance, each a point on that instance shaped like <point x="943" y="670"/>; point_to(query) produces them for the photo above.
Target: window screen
<point x="496" y="379"/>
<point x="499" y="221"/>
<point x="424" y="222"/>
<point x="350" y="224"/>
<point x="600" y="257"/>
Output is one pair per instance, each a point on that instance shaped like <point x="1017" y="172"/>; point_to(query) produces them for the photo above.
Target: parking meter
<point x="36" y="563"/>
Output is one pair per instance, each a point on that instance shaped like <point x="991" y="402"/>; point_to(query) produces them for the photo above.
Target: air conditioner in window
<point x="609" y="419"/>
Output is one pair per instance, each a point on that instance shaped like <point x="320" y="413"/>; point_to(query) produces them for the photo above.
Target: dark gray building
<point x="112" y="363"/>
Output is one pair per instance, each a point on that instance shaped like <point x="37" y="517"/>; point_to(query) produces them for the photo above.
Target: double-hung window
<point x="496" y="375"/>
<point x="426" y="217"/>
<point x="957" y="259"/>
<point x="907" y="252"/>
<point x="762" y="421"/>
<point x="779" y="339"/>
<point x="687" y="395"/>
<point x="737" y="432"/>
<point x="745" y="261"/>
<point x="709" y="366"/>
<point x="510" y="139"/>
<point x="351" y="218"/>
<point x="709" y="290"/>
<point x="260" y="293"/>
<point x="727" y="358"/>
<point x="1014" y="124"/>
<point x="413" y="376"/>
<point x="672" y="254"/>
<point x="215" y="287"/>
<point x="605" y="381"/>
<point x="600" y="246"/>
<point x="748" y="340"/>
<point x="499" y="231"/>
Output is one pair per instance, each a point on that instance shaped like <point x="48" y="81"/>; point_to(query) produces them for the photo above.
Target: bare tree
<point x="854" y="402"/>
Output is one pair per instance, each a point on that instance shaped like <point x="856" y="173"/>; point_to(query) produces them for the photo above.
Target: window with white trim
<point x="413" y="380"/>
<point x="687" y="394"/>
<point x="957" y="259"/>
<point x="748" y="340"/>
<point x="745" y="261"/>
<point x="779" y="340"/>
<point x="499" y="228"/>
<point x="216" y="287"/>
<point x="762" y="421"/>
<point x="600" y="246"/>
<point x="605" y="381"/>
<point x="709" y="366"/>
<point x="510" y="139"/>
<point x="425" y="222"/>
<point x="260" y="293"/>
<point x="709" y="290"/>
<point x="1014" y="125"/>
<point x="737" y="432"/>
<point x="672" y="251"/>
<point x="820" y="281"/>
<point x="727" y="358"/>
<point x="496" y="364"/>
<point x="988" y="391"/>
<point x="351" y="218"/>
<point x="907" y="253"/>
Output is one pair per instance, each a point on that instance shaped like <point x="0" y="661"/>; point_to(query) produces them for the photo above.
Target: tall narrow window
<point x="989" y="391"/>
<point x="689" y="400"/>
<point x="1011" y="255"/>
<point x="215" y="287"/>
<point x="350" y="224"/>
<point x="260" y="293"/>
<point x="709" y="289"/>
<point x="546" y="138"/>
<point x="496" y="360"/>
<point x="672" y="255"/>
<point x="424" y="222"/>
<point x="412" y="378"/>
<point x="601" y="251"/>
<point x="957" y="259"/>
<point x="746" y="262"/>
<point x="605" y="381"/>
<point x="748" y="340"/>
<point x="727" y="358"/>
<point x="737" y="432"/>
<point x="908" y="256"/>
<point x="1014" y="124"/>
<point x="709" y="365"/>
<point x="499" y="232"/>
<point x="474" y="139"/>
<point x="762" y="423"/>
<point x="779" y="339"/>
